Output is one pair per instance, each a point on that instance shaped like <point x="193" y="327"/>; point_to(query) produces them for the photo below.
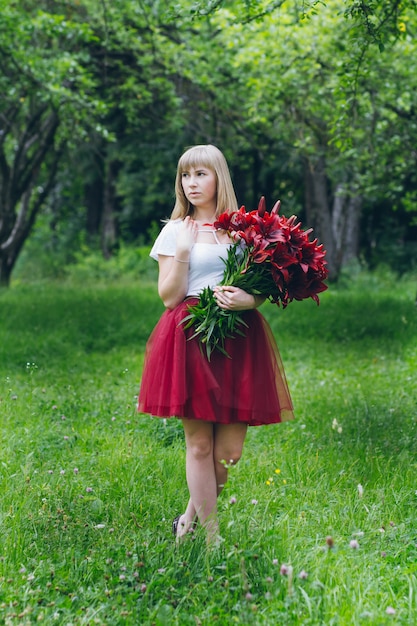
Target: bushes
<point x="88" y="265"/>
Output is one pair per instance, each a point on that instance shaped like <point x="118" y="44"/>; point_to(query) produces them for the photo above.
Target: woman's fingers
<point x="187" y="235"/>
<point x="233" y="298"/>
<point x="226" y="296"/>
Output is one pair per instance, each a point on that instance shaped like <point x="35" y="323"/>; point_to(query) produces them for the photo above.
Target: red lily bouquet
<point x="271" y="256"/>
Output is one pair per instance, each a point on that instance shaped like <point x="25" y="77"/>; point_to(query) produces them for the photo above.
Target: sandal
<point x="175" y="523"/>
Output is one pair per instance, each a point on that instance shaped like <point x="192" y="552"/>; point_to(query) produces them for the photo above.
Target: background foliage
<point x="313" y="103"/>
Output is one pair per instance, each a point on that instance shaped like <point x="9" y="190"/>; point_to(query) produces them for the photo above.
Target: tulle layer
<point x="179" y="381"/>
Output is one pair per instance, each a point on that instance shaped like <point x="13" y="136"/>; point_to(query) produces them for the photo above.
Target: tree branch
<point x="8" y="117"/>
<point x="28" y="212"/>
<point x="22" y="175"/>
<point x="406" y="115"/>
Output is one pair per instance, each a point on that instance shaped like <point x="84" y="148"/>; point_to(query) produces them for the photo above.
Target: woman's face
<point x="200" y="187"/>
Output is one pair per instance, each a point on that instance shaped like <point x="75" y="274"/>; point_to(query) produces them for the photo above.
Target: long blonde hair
<point x="211" y="157"/>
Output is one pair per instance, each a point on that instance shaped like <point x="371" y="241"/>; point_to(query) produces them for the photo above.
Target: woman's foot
<point x="214" y="542"/>
<point x="181" y="526"/>
<point x="214" y="539"/>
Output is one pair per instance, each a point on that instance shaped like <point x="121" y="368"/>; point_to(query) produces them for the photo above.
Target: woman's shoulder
<point x="169" y="225"/>
<point x="173" y="223"/>
<point x="166" y="241"/>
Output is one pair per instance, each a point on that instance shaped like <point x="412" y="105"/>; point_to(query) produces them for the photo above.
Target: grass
<point x="88" y="487"/>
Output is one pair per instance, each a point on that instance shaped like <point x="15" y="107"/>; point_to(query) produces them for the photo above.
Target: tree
<point x="308" y="86"/>
<point x="134" y="64"/>
<point x="47" y="101"/>
<point x="289" y="89"/>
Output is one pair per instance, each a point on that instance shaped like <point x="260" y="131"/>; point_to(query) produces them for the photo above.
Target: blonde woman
<point x="218" y="399"/>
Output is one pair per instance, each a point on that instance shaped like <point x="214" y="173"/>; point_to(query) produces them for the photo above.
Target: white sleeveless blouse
<point x="206" y="265"/>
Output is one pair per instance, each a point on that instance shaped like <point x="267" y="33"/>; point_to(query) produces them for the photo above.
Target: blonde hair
<point x="211" y="157"/>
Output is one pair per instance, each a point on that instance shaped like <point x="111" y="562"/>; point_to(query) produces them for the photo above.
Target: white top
<point x="206" y="265"/>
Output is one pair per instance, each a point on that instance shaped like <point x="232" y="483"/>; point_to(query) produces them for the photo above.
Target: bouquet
<point x="270" y="256"/>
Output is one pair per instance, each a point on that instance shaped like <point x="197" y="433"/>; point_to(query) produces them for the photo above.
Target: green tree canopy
<point x="310" y="101"/>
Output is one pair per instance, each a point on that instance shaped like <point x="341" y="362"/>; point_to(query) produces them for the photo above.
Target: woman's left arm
<point x="236" y="299"/>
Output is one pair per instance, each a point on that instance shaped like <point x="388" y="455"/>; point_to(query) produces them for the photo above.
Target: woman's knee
<point x="228" y="443"/>
<point x="200" y="445"/>
<point x="229" y="455"/>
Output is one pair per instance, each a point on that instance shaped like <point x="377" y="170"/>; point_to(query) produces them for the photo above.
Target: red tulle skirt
<point x="179" y="381"/>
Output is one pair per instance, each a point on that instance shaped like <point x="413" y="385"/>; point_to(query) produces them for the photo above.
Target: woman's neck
<point x="204" y="217"/>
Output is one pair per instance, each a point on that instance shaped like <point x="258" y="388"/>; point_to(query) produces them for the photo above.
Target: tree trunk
<point x="352" y="235"/>
<point x="346" y="219"/>
<point x="108" y="221"/>
<point x="318" y="211"/>
<point x="25" y="183"/>
<point x="11" y="247"/>
<point x="335" y="222"/>
<point x="24" y="220"/>
<point x="94" y="200"/>
<point x="5" y="271"/>
<point x="256" y="168"/>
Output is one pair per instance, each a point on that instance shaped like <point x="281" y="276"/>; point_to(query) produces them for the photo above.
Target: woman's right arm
<point x="173" y="270"/>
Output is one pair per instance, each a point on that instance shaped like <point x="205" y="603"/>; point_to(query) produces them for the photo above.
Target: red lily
<point x="261" y="252"/>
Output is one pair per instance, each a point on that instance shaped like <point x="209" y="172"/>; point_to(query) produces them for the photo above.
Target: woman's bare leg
<point x="211" y="448"/>
<point x="227" y="450"/>
<point x="201" y="476"/>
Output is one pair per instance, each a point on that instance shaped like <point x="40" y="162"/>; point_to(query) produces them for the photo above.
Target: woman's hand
<point x="236" y="299"/>
<point x="186" y="238"/>
<point x="173" y="270"/>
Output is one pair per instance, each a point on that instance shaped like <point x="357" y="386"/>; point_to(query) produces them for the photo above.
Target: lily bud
<point x="261" y="206"/>
<point x="276" y="207"/>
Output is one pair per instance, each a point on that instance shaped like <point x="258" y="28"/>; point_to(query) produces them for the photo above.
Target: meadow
<point x="319" y="518"/>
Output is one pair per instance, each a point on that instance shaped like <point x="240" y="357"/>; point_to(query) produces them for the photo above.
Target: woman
<point x="217" y="399"/>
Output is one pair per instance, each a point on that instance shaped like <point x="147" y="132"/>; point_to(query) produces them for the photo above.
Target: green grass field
<point x="319" y="517"/>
